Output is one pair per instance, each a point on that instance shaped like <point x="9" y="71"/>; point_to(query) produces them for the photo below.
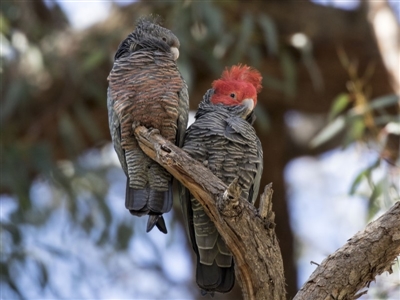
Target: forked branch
<point x="250" y="234"/>
<point x="250" y="237"/>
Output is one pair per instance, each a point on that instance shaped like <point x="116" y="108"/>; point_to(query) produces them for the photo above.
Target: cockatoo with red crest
<point x="146" y="88"/>
<point x="224" y="140"/>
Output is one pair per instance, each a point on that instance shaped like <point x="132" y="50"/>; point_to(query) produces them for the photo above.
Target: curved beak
<point x="249" y="103"/>
<point x="175" y="52"/>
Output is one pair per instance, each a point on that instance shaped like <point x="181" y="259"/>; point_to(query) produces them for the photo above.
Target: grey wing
<point x="186" y="205"/>
<point x="256" y="185"/>
<point x="239" y="131"/>
<point x="115" y="131"/>
<point x="183" y="114"/>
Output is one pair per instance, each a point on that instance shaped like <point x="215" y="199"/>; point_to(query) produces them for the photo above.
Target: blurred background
<point x="328" y="118"/>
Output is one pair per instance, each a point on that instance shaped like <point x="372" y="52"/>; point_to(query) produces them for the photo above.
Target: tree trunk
<point x="250" y="234"/>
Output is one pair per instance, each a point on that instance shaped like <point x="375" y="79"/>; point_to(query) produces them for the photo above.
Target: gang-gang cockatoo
<point x="224" y="140"/>
<point x="146" y="88"/>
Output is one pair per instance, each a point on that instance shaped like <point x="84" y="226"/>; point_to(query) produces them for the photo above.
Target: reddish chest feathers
<point x="147" y="93"/>
<point x="233" y="92"/>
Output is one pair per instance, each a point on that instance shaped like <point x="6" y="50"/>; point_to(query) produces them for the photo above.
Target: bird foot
<point x="135" y="124"/>
<point x="154" y="131"/>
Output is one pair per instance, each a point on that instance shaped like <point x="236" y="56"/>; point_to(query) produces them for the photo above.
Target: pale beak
<point x="175" y="52"/>
<point x="249" y="103"/>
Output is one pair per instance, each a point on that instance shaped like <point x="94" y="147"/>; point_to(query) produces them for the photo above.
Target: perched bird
<point x="224" y="140"/>
<point x="146" y="88"/>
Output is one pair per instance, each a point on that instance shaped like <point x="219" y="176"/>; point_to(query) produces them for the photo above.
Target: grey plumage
<point x="146" y="88"/>
<point x="223" y="139"/>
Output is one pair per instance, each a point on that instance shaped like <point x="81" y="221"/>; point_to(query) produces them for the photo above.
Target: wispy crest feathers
<point x="243" y="73"/>
<point x="154" y="19"/>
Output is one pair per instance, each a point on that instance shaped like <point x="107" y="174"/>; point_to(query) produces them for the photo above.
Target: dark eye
<point x="164" y="39"/>
<point x="233" y="95"/>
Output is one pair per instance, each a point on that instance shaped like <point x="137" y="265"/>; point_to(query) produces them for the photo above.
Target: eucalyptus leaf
<point x="246" y="29"/>
<point x="338" y="105"/>
<point x="289" y="73"/>
<point x="384" y="101"/>
<point x="376" y="103"/>
<point x="269" y="33"/>
<point x="373" y="206"/>
<point x="43" y="274"/>
<point x="328" y="132"/>
<point x="364" y="174"/>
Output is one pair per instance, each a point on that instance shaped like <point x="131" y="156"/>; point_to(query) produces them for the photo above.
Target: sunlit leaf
<point x="377" y="103"/>
<point x="338" y="105"/>
<point x="327" y="133"/>
<point x="364" y="174"/>
<point x="4" y="24"/>
<point x="357" y="127"/>
<point x="373" y="206"/>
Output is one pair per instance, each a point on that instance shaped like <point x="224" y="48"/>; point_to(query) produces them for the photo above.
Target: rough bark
<point x="352" y="267"/>
<point x="249" y="233"/>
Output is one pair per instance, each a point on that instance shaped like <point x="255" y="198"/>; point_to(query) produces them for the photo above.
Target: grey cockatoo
<point x="224" y="140"/>
<point x="146" y="88"/>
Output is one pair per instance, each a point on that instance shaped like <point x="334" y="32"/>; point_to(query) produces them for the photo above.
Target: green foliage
<point x="339" y="105"/>
<point x="353" y="120"/>
<point x="362" y="120"/>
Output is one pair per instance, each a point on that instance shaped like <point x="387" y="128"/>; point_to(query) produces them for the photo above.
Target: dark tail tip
<point x="213" y="278"/>
<point x="205" y="293"/>
<point x="156" y="220"/>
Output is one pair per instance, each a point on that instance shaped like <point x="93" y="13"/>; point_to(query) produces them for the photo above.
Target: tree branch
<point x="250" y="234"/>
<point x="352" y="267"/>
<point x="250" y="237"/>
